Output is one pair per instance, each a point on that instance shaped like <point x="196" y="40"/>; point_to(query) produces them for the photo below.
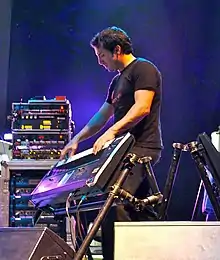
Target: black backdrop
<point x="5" y="24"/>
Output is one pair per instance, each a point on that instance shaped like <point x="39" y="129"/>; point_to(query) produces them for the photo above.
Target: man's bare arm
<point x="96" y="123"/>
<point x="141" y="108"/>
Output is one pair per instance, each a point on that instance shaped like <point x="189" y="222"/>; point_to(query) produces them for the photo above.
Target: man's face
<point x="106" y="59"/>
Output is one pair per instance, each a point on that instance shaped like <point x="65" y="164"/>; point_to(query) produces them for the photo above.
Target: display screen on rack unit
<point x="41" y="116"/>
<point x="36" y="145"/>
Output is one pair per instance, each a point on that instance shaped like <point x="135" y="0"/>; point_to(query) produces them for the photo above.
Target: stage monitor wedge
<point x="32" y="244"/>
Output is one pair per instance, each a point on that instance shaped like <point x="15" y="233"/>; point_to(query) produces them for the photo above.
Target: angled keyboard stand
<point x="206" y="158"/>
<point x="117" y="192"/>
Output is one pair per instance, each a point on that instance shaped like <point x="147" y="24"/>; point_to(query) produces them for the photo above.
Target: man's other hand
<point x="100" y="142"/>
<point x="69" y="149"/>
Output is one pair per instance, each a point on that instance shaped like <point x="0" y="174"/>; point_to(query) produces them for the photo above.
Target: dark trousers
<point x="138" y="187"/>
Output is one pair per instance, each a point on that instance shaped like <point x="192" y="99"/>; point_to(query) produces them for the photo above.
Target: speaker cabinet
<point x="167" y="240"/>
<point x="33" y="244"/>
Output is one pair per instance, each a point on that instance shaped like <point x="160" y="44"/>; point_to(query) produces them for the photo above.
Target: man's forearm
<point x="133" y="116"/>
<point x="87" y="132"/>
<point x="93" y="127"/>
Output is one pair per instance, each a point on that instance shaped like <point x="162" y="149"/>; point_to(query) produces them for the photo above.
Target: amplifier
<point x="21" y="202"/>
<point x="35" y="145"/>
<point x="27" y="221"/>
<point x="17" y="181"/>
<point x="41" y="115"/>
<point x="84" y="174"/>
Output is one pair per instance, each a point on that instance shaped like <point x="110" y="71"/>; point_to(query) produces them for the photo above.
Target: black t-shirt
<point x="138" y="75"/>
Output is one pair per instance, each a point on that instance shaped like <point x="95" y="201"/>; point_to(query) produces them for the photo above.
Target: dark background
<point x="5" y="22"/>
<point x="50" y="55"/>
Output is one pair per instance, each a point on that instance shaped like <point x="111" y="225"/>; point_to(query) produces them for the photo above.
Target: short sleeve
<point x="146" y="76"/>
<point x="110" y="90"/>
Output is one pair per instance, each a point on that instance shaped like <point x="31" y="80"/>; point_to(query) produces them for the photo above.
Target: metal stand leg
<point x="130" y="161"/>
<point x="196" y="152"/>
<point x="198" y="200"/>
<point x="168" y="188"/>
<point x="156" y="196"/>
<point x="150" y="175"/>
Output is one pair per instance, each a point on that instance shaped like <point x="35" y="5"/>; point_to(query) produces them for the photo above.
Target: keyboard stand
<point x="117" y="192"/>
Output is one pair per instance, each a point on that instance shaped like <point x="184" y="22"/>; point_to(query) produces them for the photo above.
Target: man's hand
<point x="69" y="149"/>
<point x="100" y="142"/>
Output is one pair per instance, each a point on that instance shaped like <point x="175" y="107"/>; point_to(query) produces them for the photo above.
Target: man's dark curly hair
<point x="110" y="37"/>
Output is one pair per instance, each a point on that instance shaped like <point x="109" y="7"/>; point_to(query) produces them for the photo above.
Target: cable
<point x="78" y="221"/>
<point x="80" y="226"/>
<point x="72" y="222"/>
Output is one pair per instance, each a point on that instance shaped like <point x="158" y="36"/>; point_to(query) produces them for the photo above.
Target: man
<point x="134" y="99"/>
